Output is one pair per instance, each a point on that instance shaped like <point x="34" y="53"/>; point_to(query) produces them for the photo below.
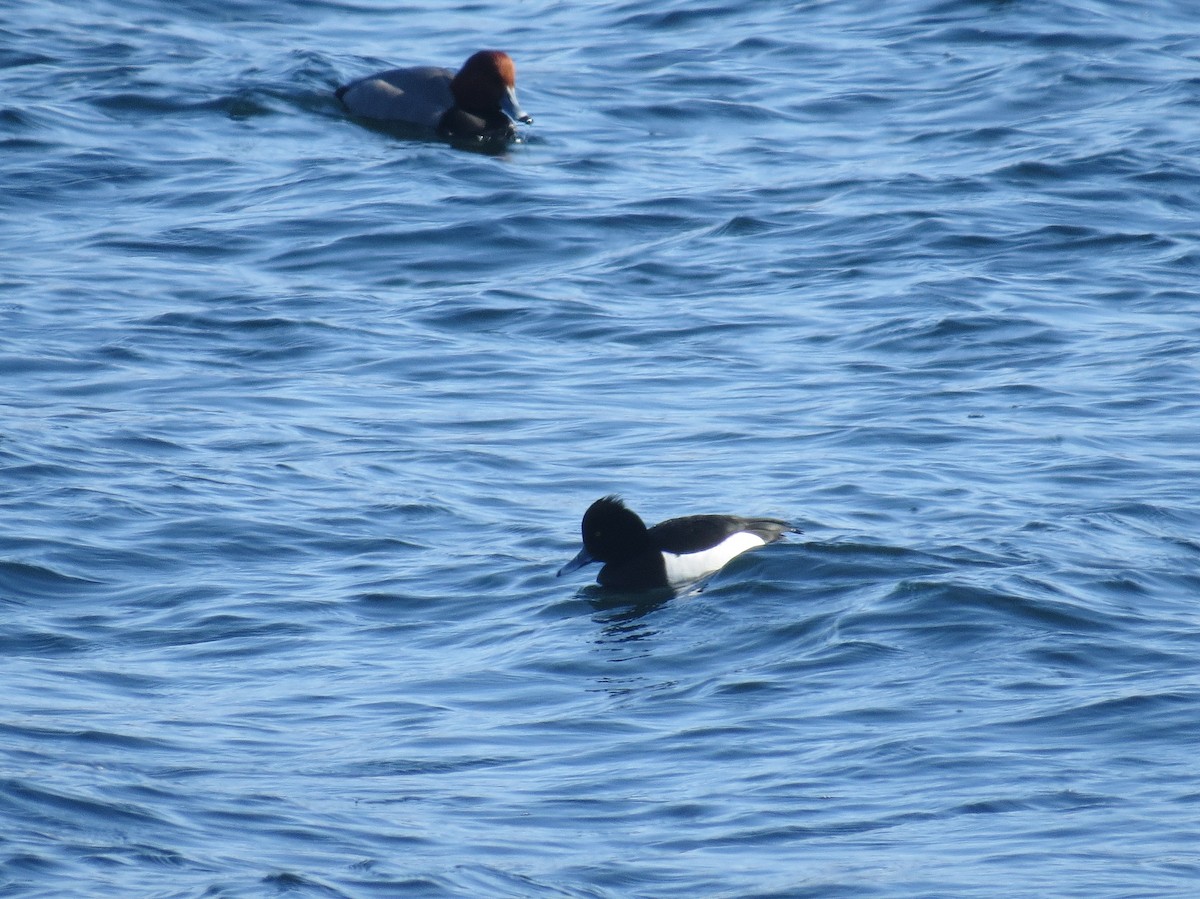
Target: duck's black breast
<point x="457" y="122"/>
<point x="644" y="571"/>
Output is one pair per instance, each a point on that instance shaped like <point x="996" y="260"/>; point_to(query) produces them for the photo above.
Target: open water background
<point x="299" y="419"/>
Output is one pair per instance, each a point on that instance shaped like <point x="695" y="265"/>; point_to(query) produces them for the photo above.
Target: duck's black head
<point x="611" y="531"/>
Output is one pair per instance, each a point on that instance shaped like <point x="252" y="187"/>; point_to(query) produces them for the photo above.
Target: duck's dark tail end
<point x="770" y="529"/>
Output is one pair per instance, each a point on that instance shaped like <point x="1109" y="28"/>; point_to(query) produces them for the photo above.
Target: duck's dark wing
<point x="694" y="533"/>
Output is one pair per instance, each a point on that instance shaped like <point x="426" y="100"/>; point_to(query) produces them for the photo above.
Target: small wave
<point x="24" y="580"/>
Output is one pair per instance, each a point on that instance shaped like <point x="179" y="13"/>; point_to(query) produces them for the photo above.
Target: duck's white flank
<point x="687" y="567"/>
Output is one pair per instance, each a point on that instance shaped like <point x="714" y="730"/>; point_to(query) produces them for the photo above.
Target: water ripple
<point x="301" y="416"/>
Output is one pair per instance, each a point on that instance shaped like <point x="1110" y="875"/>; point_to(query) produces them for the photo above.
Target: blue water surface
<point x="300" y="417"/>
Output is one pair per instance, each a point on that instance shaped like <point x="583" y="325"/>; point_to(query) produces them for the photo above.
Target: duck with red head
<point x="480" y="101"/>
